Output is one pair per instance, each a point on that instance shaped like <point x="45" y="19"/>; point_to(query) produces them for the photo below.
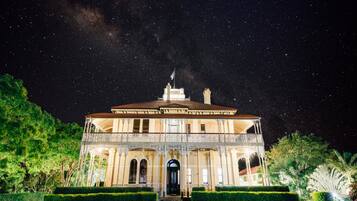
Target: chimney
<point x="207" y="96"/>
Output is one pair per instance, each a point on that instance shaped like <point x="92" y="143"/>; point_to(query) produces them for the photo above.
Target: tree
<point x="295" y="157"/>
<point x="346" y="163"/>
<point x="32" y="142"/>
<point x="325" y="179"/>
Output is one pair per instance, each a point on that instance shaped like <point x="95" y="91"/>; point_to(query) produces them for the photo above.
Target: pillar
<point x="110" y="167"/>
<point x="225" y="156"/>
<point x="90" y="169"/>
<point x="118" y="168"/>
<point x="124" y="165"/>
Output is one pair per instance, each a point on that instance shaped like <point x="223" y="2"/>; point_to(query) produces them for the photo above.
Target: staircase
<point x="170" y="198"/>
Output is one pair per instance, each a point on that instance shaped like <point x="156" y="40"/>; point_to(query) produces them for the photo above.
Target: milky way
<point x="293" y="63"/>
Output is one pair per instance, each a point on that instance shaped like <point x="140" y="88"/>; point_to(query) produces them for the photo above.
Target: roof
<point x="176" y="116"/>
<point x="157" y="104"/>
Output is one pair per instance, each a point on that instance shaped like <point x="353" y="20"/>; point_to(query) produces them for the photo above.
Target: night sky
<point x="291" y="62"/>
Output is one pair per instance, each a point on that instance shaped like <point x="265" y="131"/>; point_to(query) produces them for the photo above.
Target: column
<point x="212" y="169"/>
<point x="165" y="171"/>
<point x="183" y="174"/>
<point x="198" y="168"/>
<point x="234" y="165"/>
<point x="110" y="167"/>
<point x="157" y="170"/>
<point x="249" y="171"/>
<point x="225" y="156"/>
<point x="90" y="169"/>
<point x="100" y="164"/>
<point x="124" y="165"/>
<point x="221" y="163"/>
<point x="188" y="166"/>
<point x="118" y="169"/>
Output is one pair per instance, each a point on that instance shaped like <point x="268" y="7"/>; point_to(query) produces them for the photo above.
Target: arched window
<point x="143" y="172"/>
<point x="132" y="171"/>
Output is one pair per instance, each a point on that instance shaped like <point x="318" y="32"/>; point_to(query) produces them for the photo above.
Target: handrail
<point x="172" y="138"/>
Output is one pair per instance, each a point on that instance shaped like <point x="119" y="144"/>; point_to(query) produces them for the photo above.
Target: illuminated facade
<point x="172" y="144"/>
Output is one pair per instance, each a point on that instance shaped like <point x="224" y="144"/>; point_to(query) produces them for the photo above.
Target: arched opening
<point x="132" y="171"/>
<point x="173" y="177"/>
<point x="143" y="172"/>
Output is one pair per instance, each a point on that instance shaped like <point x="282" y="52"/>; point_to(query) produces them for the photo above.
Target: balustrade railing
<point x="173" y="138"/>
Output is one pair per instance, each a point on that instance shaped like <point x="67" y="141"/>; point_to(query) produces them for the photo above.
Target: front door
<point x="173" y="175"/>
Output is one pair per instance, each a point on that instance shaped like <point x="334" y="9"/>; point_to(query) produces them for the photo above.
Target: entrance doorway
<point x="173" y="177"/>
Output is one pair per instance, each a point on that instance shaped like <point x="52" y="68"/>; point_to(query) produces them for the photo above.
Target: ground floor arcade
<point x="171" y="170"/>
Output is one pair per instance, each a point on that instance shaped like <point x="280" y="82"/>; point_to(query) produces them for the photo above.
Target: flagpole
<point x="175" y="78"/>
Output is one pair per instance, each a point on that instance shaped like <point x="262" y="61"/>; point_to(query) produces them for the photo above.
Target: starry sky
<point x="291" y="62"/>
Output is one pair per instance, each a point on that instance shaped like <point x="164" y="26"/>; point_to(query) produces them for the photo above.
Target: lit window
<point x="204" y="176"/>
<point x="145" y="125"/>
<point x="220" y="176"/>
<point x="203" y="128"/>
<point x="136" y="126"/>
<point x="189" y="175"/>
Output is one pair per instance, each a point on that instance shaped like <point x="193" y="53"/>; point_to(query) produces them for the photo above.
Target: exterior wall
<point x="161" y="125"/>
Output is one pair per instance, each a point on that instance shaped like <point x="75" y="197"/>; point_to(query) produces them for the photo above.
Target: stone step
<point x="170" y="198"/>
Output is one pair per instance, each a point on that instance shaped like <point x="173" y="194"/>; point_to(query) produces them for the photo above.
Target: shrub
<point x="201" y="188"/>
<point x="84" y="190"/>
<point x="22" y="197"/>
<point x="137" y="196"/>
<point x="244" y="196"/>
<point x="253" y="188"/>
<point x="322" y="196"/>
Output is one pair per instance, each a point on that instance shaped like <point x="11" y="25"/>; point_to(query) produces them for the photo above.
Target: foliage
<point x="137" y="196"/>
<point x="253" y="188"/>
<point x="200" y="188"/>
<point x="326" y="179"/>
<point x="346" y="163"/>
<point x="295" y="157"/>
<point x="84" y="190"/>
<point x="22" y="197"/>
<point x="322" y="196"/>
<point x="36" y="150"/>
<point x="244" y="196"/>
<point x="353" y="192"/>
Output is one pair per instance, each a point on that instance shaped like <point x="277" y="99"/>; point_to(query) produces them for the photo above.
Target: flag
<point x="172" y="76"/>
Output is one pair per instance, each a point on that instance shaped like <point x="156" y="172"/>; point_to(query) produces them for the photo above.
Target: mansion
<point x="172" y="144"/>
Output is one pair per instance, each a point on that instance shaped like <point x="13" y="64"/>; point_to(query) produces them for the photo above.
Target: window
<point x="204" y="176"/>
<point x="143" y="172"/>
<point x="203" y="128"/>
<point x="189" y="175"/>
<point x="145" y="125"/>
<point x="220" y="176"/>
<point x="136" y="126"/>
<point x="132" y="171"/>
<point x="188" y="128"/>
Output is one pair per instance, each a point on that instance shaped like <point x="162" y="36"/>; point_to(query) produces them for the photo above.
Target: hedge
<point x="201" y="188"/>
<point x="22" y="197"/>
<point x="253" y="188"/>
<point x="85" y="190"/>
<point x="135" y="196"/>
<point x="244" y="196"/>
<point x="322" y="196"/>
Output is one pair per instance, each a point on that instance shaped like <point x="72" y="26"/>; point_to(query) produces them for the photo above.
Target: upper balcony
<point x="213" y="139"/>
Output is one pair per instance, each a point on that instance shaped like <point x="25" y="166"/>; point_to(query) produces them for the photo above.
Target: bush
<point x="322" y="196"/>
<point x="201" y="188"/>
<point x="253" y="188"/>
<point x="85" y="190"/>
<point x="137" y="196"/>
<point x="244" y="196"/>
<point x="22" y="197"/>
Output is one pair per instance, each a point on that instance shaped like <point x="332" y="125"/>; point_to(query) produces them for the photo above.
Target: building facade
<point x="172" y="144"/>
